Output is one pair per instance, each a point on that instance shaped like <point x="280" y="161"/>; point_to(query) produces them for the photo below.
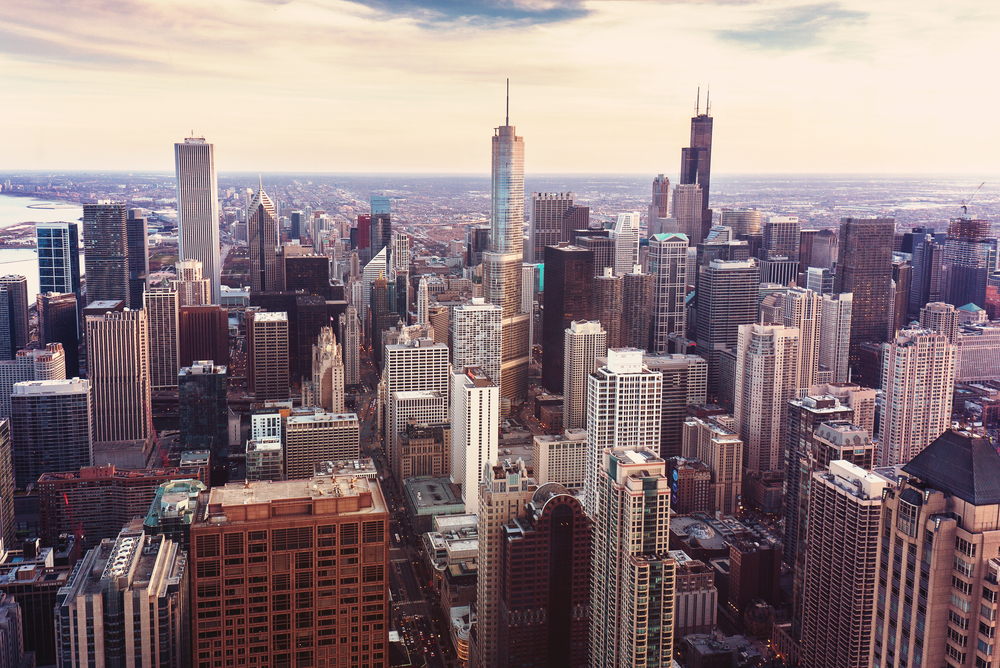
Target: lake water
<point x="16" y="210"/>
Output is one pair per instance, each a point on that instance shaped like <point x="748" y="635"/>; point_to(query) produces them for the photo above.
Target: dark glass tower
<point x="925" y="285"/>
<point x="204" y="421"/>
<point x="569" y="281"/>
<point x="105" y="241"/>
<point x="696" y="160"/>
<point x="138" y="257"/>
<point x="59" y="258"/>
<point x="13" y="315"/>
<point x="58" y="323"/>
<point x="381" y="226"/>
<point x="970" y="256"/>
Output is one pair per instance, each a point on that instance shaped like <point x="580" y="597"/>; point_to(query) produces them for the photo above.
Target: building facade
<point x="118" y="369"/>
<point x="198" y="209"/>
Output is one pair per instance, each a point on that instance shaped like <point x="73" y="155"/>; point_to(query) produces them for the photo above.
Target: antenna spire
<point x="697" y="103"/>
<point x="260" y="181"/>
<point x="507" y="119"/>
<point x="708" y="103"/>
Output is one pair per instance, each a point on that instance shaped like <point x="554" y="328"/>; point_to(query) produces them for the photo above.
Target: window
<point x="965" y="547"/>
<point x="958" y="620"/>
<point x="961" y="585"/>
<point x="957" y="638"/>
<point x="964" y="567"/>
<point x="985" y="647"/>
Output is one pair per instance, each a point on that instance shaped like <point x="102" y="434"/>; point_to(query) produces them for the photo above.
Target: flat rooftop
<point x="308" y="489"/>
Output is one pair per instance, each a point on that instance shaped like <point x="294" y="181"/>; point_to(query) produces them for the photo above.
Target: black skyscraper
<point x="138" y="257"/>
<point x="696" y="160"/>
<point x="569" y="280"/>
<point x="58" y="323"/>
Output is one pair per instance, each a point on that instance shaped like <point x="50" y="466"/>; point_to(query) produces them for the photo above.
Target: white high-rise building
<point x="48" y="363"/>
<point x="350" y="327"/>
<point x="940" y="317"/>
<point x="766" y="371"/>
<point x="803" y="310"/>
<point x="326" y="387"/>
<point x="475" y="431"/>
<point x="584" y="342"/>
<point x="835" y="335"/>
<point x="400" y="254"/>
<point x="623" y="410"/>
<point x="476" y="337"/>
<point x="918" y="379"/>
<point x="377" y="267"/>
<point x="668" y="266"/>
<point x="192" y="288"/>
<point x="118" y="367"/>
<point x="632" y="575"/>
<point x="626" y="234"/>
<point x="423" y="304"/>
<point x="419" y="364"/>
<point x="164" y="341"/>
<point x="198" y="208"/>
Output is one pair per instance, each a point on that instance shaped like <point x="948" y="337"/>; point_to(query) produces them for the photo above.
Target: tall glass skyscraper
<point x="198" y="208"/>
<point x="58" y="258"/>
<point x="105" y="236"/>
<point x="262" y="221"/>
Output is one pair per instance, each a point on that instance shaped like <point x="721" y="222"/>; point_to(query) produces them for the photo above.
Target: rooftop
<point x="306" y="489"/>
<point x="963" y="465"/>
<point x="268" y="316"/>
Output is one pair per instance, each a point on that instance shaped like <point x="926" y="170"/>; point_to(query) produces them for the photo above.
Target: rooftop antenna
<point x="708" y="103"/>
<point x="697" y="103"/>
<point x="260" y="181"/>
<point x="507" y="119"/>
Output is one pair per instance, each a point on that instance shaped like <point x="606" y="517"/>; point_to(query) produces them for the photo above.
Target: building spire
<point x="697" y="102"/>
<point x="260" y="181"/>
<point x="708" y="103"/>
<point x="507" y="119"/>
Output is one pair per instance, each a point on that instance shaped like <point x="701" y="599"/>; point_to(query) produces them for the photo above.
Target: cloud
<point x="481" y="13"/>
<point x="794" y="28"/>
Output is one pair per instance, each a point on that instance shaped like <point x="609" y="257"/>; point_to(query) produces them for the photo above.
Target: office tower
<point x="164" y="339"/>
<point x="691" y="487"/>
<point x="660" y="206"/>
<point x="198" y="209"/>
<point x="632" y="580"/>
<point x="382" y="316"/>
<point x="424" y="450"/>
<point x="297" y="225"/>
<point x="767" y="363"/>
<point x="13" y="315"/>
<point x="806" y="239"/>
<point x="138" y="257"/>
<point x="727" y="298"/>
<point x="626" y="242"/>
<point x="475" y="424"/>
<point x="864" y="268"/>
<point x="918" y="378"/>
<point x="781" y="238"/>
<point x="697" y="599"/>
<point x="118" y="369"/>
<point x="637" y="295"/>
<point x="502" y="265"/>
<point x="819" y="280"/>
<point x="685" y="383"/>
<point x="545" y="225"/>
<point x="583" y="342"/>
<point x="722" y="450"/>
<point x="603" y="248"/>
<point x="941" y="318"/>
<point x="351" y="328"/>
<point x="192" y="289"/>
<point x="546" y="614"/>
<point x="476" y="337"/>
<point x="326" y="387"/>
<point x="399" y="254"/>
<point x="267" y="355"/>
<point x="417" y="365"/>
<point x="569" y="278"/>
<point x="297" y="524"/>
<point x="423" y="303"/>
<point x="624" y="400"/>
<point x="377" y="267"/>
<point x="926" y="283"/>
<point x="978" y="354"/>
<point x="203" y="415"/>
<point x="127" y="605"/>
<point x="364" y="238"/>
<point x="561" y="458"/>
<point x="313" y="436"/>
<point x="477" y="241"/>
<point x="420" y="406"/>
<point x="696" y="161"/>
<point x="668" y="266"/>
<point x="11" y="634"/>
<point x="970" y="256"/>
<point x="741" y="221"/>
<point x="7" y="521"/>
<point x="52" y="427"/>
<point x="835" y="335"/>
<point x="262" y="229"/>
<point x="438" y="316"/>
<point x="47" y="364"/>
<point x="504" y="493"/>
<point x="58" y="323"/>
<point x="106" y="247"/>
<point x="264" y="459"/>
<point x="203" y="333"/>
<point x="688" y="210"/>
<point x="845" y="518"/>
<point x="308" y="273"/>
<point x="902" y="278"/>
<point x="58" y="258"/>
<point x="606" y="305"/>
<point x="381" y="225"/>
<point x="949" y="555"/>
<point x="803" y="310"/>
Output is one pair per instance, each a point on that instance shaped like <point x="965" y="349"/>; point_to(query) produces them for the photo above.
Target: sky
<point x="841" y="86"/>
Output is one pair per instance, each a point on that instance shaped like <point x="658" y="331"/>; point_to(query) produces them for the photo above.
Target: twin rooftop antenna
<point x="708" y="104"/>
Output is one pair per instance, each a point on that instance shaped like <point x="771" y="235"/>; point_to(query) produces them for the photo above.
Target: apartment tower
<point x="58" y="258"/>
<point x="476" y="337"/>
<point x="267" y="355"/>
<point x="475" y="430"/>
<point x="118" y="369"/>
<point x="164" y="340"/>
<point x="583" y="342"/>
<point x="668" y="266"/>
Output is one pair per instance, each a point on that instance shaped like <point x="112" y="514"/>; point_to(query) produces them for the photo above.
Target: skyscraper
<point x="13" y="315"/>
<point x="902" y="283"/>
<point x="767" y="364"/>
<point x="105" y="240"/>
<point x="204" y="334"/>
<point x="722" y="450"/>
<point x="326" y="389"/>
<point x="727" y="298"/>
<point x="918" y="378"/>
<point x="637" y="295"/>
<point x="668" y="265"/>
<point x="835" y="335"/>
<point x="475" y="430"/>
<point x="267" y="355"/>
<point x="351" y="328"/>
<point x="632" y="574"/>
<point x="138" y="257"/>
<point x="423" y="303"/>
<point x="685" y="382"/>
<point x="741" y="221"/>
<point x="58" y="322"/>
<point x="942" y="318"/>
<point x="192" y="288"/>
<point x="262" y="221"/>
<point x="377" y="267"/>
<point x="970" y="256"/>
<point x="606" y="305"/>
<point x="624" y="402"/>
<point x="45" y="364"/>
<point x="583" y="343"/>
<point x="926" y="282"/>
<point x="864" y="268"/>
<point x="569" y="277"/>
<point x="313" y="436"/>
<point x="58" y="258"/>
<point x="545" y="225"/>
<point x="118" y="368"/>
<point x="7" y="520"/>
<point x="203" y="413"/>
<point x="696" y="161"/>
<point x="476" y="337"/>
<point x="198" y="209"/>
<point x="803" y="310"/>
<point x="52" y="428"/>
<point x="417" y="365"/>
<point x="502" y="265"/>
<point x="688" y="211"/>
<point x="781" y="238"/>
<point x="659" y="208"/>
<point x="626" y="242"/>
<point x="381" y="225"/>
<point x="164" y="338"/>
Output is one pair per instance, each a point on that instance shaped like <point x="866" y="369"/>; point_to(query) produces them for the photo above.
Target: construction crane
<point x="965" y="205"/>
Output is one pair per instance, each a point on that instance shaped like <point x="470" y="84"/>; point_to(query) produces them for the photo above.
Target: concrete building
<point x="475" y="423"/>
<point x="727" y="298"/>
<point x="192" y="289"/>
<point x="970" y="256"/>
<point x="267" y="355"/>
<point x="668" y="266"/>
<point x="350" y="327"/>
<point x="326" y="389"/>
<point x="264" y="459"/>
<point x="161" y="306"/>
<point x="7" y="517"/>
<point x="561" y="458"/>
<point x="118" y="369"/>
<point x="607" y="305"/>
<point x="632" y="581"/>
<point x="685" y="383"/>
<point x="835" y="336"/>
<point x="918" y="378"/>
<point x="624" y="404"/>
<point x="198" y="209"/>
<point x="313" y="435"/>
<point x="690" y="485"/>
<point x="626" y="236"/>
<point x="545" y="225"/>
<point x="476" y="337"/>
<point x="697" y="598"/>
<point x="978" y="354"/>
<point x="417" y="365"/>
<point x="637" y="296"/>
<point x="803" y="310"/>
<point x="174" y="508"/>
<point x="48" y="363"/>
<point x="721" y="450"/>
<point x="583" y="343"/>
<point x="942" y="318"/>
<point x="290" y="530"/>
<point x="421" y="406"/>
<point x="424" y="450"/>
